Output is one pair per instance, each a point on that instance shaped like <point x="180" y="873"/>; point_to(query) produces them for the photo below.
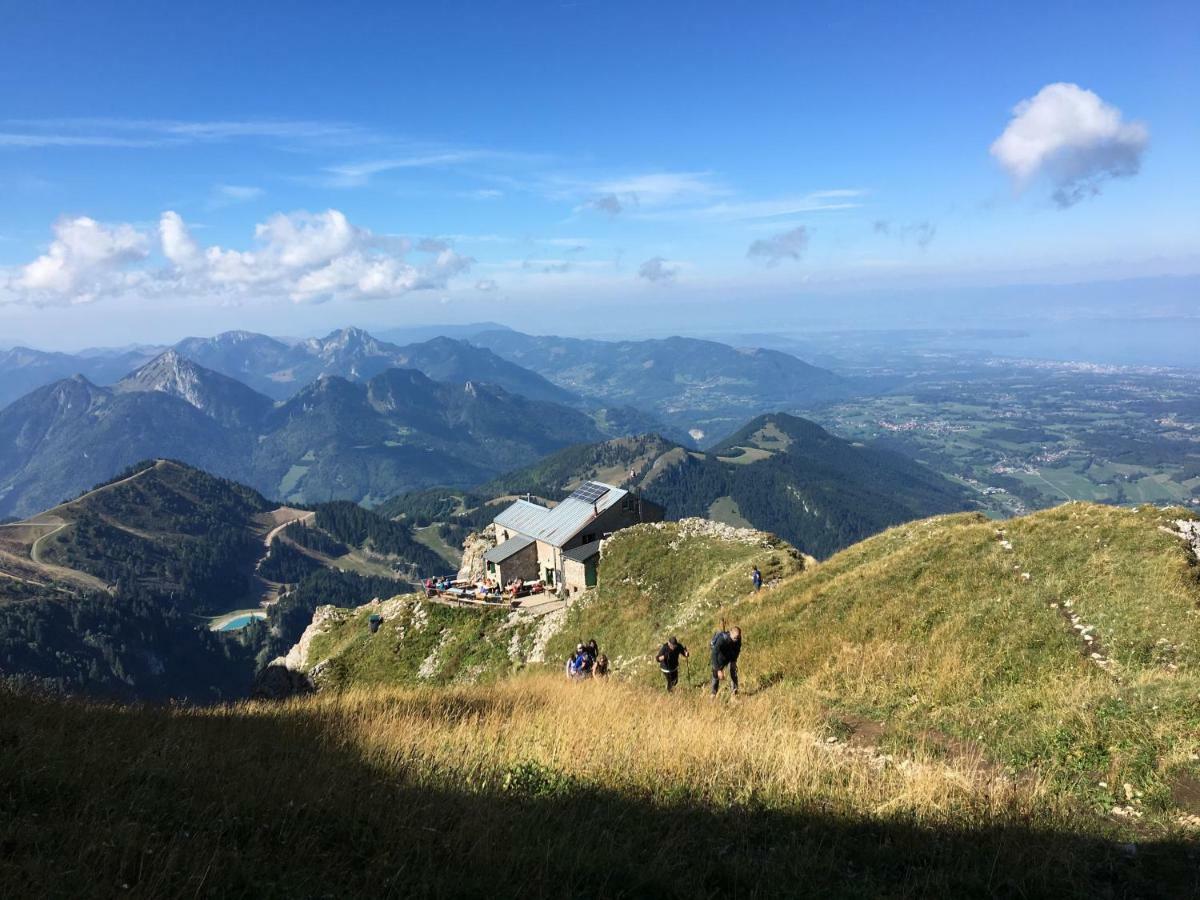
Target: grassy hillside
<point x="1063" y="649"/>
<point x="921" y="715"/>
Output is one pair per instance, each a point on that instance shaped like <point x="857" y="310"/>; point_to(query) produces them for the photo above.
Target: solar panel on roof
<point x="590" y="492"/>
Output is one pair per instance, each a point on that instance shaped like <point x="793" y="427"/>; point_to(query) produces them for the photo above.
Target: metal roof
<point x="583" y="552"/>
<point x="571" y="516"/>
<point x="523" y="517"/>
<point x="557" y="526"/>
<point x="511" y="547"/>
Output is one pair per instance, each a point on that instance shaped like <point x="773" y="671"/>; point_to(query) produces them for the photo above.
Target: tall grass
<point x="527" y="787"/>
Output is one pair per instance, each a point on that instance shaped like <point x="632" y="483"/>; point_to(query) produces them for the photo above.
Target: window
<point x="549" y="579"/>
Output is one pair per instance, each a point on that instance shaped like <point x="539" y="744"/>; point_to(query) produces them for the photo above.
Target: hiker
<point x="580" y="664"/>
<point x="600" y="670"/>
<point x="756" y="579"/>
<point x="668" y="661"/>
<point x="593" y="649"/>
<point x="726" y="648"/>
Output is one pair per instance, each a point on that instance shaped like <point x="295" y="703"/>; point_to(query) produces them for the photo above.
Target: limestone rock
<point x="476" y="544"/>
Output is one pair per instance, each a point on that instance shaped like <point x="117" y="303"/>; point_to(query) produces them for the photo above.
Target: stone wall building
<point x="561" y="544"/>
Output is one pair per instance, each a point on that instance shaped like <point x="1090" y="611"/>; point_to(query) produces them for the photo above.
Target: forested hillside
<point x="111" y="594"/>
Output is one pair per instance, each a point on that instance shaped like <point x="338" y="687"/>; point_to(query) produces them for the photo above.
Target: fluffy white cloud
<point x="83" y="259"/>
<point x="178" y="245"/>
<point x="775" y="249"/>
<point x="308" y="239"/>
<point x="1072" y="138"/>
<point x="657" y="270"/>
<point x="307" y="257"/>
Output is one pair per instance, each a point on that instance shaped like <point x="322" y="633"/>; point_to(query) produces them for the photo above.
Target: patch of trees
<point x="315" y="539"/>
<point x="352" y="524"/>
<point x="200" y="574"/>
<point x="128" y="647"/>
<point x="285" y="564"/>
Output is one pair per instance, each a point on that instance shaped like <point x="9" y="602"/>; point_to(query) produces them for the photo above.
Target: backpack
<point x="717" y="638"/>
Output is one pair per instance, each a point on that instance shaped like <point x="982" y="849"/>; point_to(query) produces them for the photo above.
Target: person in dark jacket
<point x="756" y="579"/>
<point x="726" y="648"/>
<point x="668" y="661"/>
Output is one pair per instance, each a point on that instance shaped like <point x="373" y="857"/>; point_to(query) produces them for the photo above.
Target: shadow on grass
<point x="103" y="801"/>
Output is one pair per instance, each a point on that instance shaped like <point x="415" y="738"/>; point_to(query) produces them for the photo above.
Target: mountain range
<point x="695" y="391"/>
<point x="335" y="438"/>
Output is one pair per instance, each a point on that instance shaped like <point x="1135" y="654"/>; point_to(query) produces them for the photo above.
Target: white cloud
<point x="487" y="285"/>
<point x="303" y="256"/>
<point x="775" y="249"/>
<point x="178" y="245"/>
<point x="82" y="259"/>
<point x="307" y="239"/>
<point x="1072" y="138"/>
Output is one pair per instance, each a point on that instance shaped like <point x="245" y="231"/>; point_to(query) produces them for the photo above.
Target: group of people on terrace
<point x="484" y="589"/>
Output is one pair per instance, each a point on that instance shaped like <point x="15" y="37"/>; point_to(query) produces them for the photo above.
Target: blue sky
<point x="287" y="167"/>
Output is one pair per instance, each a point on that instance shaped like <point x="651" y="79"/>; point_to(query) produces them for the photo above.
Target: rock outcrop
<point x="278" y="682"/>
<point x="476" y="544"/>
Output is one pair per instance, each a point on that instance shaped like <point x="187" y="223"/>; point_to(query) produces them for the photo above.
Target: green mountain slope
<point x="778" y="473"/>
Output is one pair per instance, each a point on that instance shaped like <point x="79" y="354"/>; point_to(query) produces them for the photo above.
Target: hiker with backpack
<point x="726" y="648"/>
<point x="579" y="665"/>
<point x="668" y="661"/>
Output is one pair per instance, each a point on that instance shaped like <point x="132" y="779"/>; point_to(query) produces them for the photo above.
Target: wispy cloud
<point x="360" y="173"/>
<point x="761" y="210"/>
<point x="921" y="233"/>
<point x="231" y="194"/>
<point x="151" y="133"/>
<point x="775" y="249"/>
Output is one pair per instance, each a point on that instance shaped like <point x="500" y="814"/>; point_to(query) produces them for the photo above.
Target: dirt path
<point x="303" y="517"/>
<point x="35" y="550"/>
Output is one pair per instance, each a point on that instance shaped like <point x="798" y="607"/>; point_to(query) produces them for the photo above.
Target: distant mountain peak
<point x="210" y="392"/>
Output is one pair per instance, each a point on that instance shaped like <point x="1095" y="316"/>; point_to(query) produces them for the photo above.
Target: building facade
<point x="560" y="545"/>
